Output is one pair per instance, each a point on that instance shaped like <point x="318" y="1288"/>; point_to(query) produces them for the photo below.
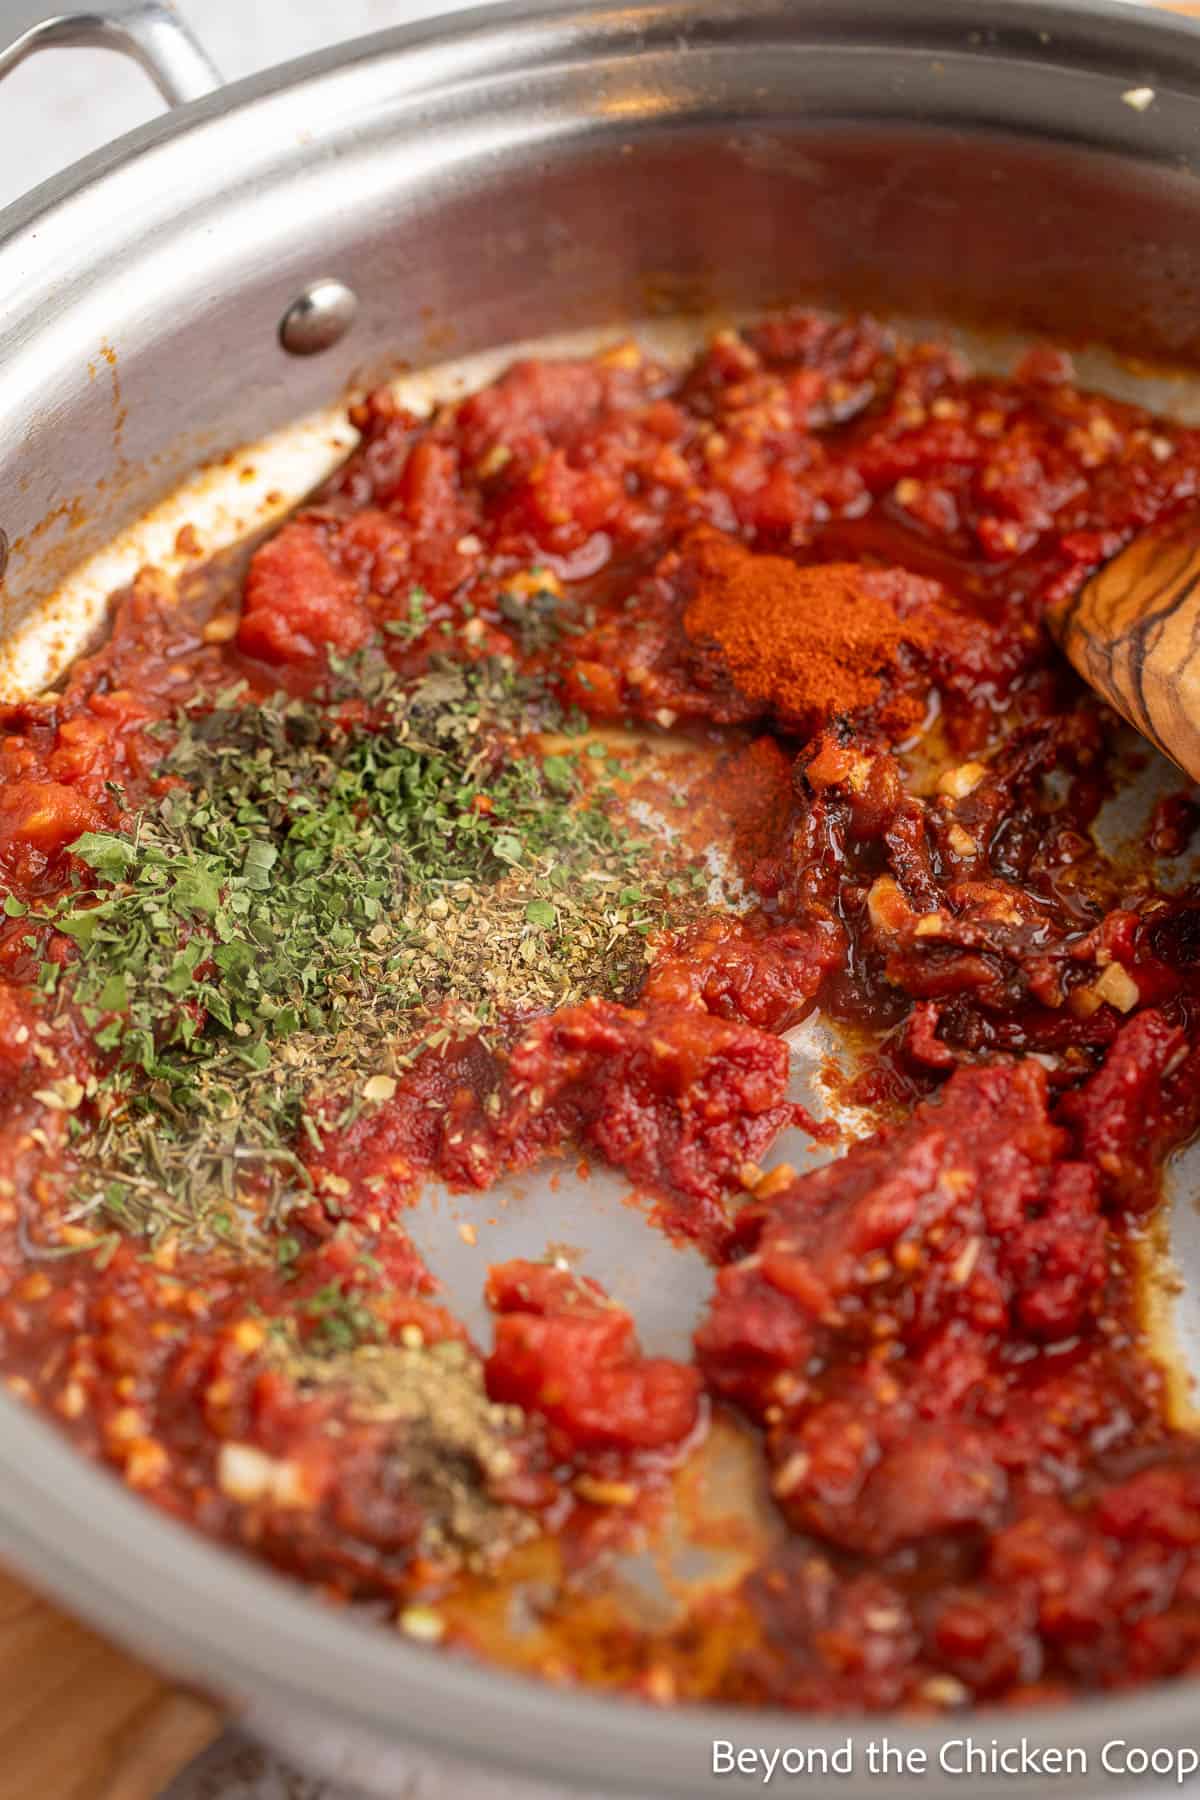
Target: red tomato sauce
<point x="935" y="1336"/>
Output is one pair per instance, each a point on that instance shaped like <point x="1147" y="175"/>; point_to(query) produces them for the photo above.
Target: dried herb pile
<point x="323" y="892"/>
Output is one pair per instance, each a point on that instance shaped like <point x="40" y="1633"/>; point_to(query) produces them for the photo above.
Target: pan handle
<point x="149" y="31"/>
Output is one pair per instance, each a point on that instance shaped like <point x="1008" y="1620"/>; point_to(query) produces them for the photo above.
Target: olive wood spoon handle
<point x="1133" y="633"/>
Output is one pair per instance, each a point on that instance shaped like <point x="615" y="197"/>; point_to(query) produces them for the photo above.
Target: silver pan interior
<point x="539" y="171"/>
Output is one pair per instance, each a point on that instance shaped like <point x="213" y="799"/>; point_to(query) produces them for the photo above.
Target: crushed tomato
<point x="978" y="1489"/>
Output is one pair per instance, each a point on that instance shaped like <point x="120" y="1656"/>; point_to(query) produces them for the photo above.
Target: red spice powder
<point x="809" y="642"/>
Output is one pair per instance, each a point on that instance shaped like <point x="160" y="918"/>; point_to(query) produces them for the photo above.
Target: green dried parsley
<point x="311" y="904"/>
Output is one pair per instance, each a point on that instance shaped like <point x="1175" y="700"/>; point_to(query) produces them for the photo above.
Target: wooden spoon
<point x="1133" y="633"/>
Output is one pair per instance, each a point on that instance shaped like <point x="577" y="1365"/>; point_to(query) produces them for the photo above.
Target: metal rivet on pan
<point x="318" y="317"/>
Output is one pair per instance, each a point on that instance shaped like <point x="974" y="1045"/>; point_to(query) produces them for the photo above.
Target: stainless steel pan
<point x="439" y="191"/>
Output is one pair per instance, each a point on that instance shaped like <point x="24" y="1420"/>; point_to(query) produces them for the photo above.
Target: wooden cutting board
<point x="79" y="1720"/>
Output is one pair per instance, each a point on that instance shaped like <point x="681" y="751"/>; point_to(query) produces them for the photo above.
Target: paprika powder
<point x="809" y="642"/>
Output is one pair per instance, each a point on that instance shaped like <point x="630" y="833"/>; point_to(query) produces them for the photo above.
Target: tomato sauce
<point x="934" y="1339"/>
